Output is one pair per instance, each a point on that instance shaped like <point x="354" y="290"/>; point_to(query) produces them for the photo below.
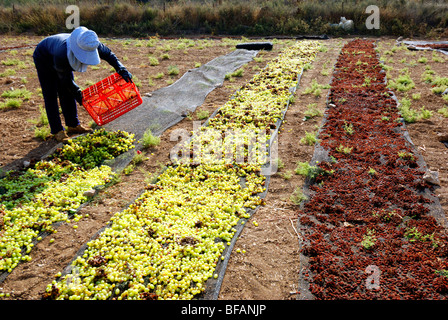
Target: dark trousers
<point x="52" y="89"/>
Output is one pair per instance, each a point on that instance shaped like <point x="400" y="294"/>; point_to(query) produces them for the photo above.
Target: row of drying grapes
<point x="52" y="190"/>
<point x="166" y="245"/>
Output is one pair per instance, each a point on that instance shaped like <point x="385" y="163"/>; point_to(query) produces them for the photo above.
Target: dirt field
<point x="268" y="268"/>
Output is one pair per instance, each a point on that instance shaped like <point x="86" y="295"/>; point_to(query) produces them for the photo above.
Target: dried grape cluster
<point x="374" y="210"/>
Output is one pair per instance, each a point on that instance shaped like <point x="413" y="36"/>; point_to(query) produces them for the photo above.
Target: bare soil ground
<point x="268" y="268"/>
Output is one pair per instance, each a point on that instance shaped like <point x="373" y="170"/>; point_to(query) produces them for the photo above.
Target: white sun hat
<point x="84" y="44"/>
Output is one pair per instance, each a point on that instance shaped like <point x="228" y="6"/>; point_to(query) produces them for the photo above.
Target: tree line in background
<point x="142" y="18"/>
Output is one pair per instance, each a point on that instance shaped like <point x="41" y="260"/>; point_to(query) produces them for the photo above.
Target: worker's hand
<point x="78" y="97"/>
<point x="127" y="76"/>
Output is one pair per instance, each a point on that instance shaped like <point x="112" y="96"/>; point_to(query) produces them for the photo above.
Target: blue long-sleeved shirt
<point x="51" y="52"/>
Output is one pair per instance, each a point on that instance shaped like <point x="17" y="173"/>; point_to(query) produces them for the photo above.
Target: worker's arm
<point x="106" y="54"/>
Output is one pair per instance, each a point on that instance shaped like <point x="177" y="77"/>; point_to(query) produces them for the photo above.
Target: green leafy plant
<point x="406" y="156"/>
<point x="153" y="61"/>
<point x="315" y="88"/>
<point x="17" y="93"/>
<point x="416" y="96"/>
<point x="307" y="67"/>
<point x="203" y="114"/>
<point x="297" y="197"/>
<point x="323" y="48"/>
<point x="309" y="138"/>
<point x="8" y="72"/>
<point x="438" y="90"/>
<point x="409" y="115"/>
<point x="149" y="140"/>
<point x="14" y="62"/>
<point x="427" y="75"/>
<point x="439" y="84"/>
<point x="42" y="132"/>
<point x="343" y="149"/>
<point x="413" y="235"/>
<point x="443" y="272"/>
<point x="402" y="83"/>
<point x="435" y="58"/>
<point x="307" y="170"/>
<point x="425" y="114"/>
<point x="11" y="104"/>
<point x="280" y="164"/>
<point x="165" y="56"/>
<point x="286" y="175"/>
<point x="367" y="81"/>
<point x="236" y="73"/>
<point x="138" y="158"/>
<point x="443" y="111"/>
<point x="42" y="120"/>
<point x="312" y="111"/>
<point x="137" y="81"/>
<point x="369" y="239"/>
<point x="422" y="60"/>
<point x="173" y="70"/>
<point x="348" y="128"/>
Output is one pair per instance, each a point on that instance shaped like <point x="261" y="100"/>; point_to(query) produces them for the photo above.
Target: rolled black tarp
<point x="255" y="46"/>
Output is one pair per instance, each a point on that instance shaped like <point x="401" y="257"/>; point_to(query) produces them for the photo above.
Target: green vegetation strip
<point x="231" y="17"/>
<point x="168" y="242"/>
<point x="32" y="201"/>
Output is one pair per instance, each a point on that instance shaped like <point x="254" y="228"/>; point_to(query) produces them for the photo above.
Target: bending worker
<point x="55" y="58"/>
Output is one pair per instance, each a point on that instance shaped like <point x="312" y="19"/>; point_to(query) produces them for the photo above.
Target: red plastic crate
<point x="110" y="98"/>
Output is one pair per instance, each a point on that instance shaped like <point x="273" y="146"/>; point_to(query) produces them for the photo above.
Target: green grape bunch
<point x="92" y="149"/>
<point x="49" y="191"/>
